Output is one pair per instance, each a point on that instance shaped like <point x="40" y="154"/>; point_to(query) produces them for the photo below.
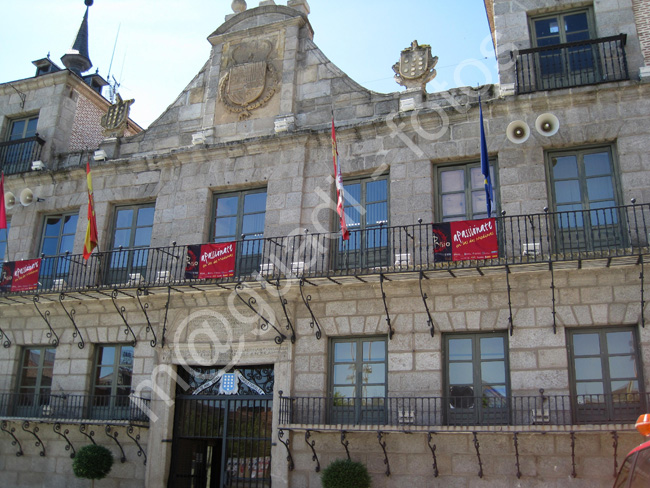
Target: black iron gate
<point x="223" y="440"/>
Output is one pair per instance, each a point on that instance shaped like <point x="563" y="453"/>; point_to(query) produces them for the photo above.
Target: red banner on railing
<point x="20" y="275"/>
<point x="208" y="261"/>
<point x="465" y="239"/>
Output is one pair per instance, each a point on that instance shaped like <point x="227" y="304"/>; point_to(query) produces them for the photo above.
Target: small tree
<point x="344" y="473"/>
<point x="92" y="462"/>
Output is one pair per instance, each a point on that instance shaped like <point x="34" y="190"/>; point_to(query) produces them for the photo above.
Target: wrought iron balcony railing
<point x="411" y="412"/>
<point x="599" y="234"/>
<point x="17" y="156"/>
<point x="572" y="64"/>
<point x="50" y="407"/>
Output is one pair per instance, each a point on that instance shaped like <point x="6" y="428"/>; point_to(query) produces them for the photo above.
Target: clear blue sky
<point x="162" y="44"/>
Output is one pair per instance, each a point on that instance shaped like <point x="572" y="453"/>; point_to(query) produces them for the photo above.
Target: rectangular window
<point x="35" y="381"/>
<point x="477" y="379"/>
<point x="358" y="370"/>
<point x="606" y="377"/>
<point x="366" y="216"/>
<point x="584" y="192"/>
<point x="461" y="192"/>
<point x="567" y="65"/>
<point x="132" y="229"/>
<point x="22" y="128"/>
<point x="21" y="147"/>
<point x="57" y="240"/>
<point x="240" y="216"/>
<point x="112" y="373"/>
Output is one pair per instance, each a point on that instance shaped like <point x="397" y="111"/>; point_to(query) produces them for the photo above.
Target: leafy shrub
<point x="344" y="473"/>
<point x="92" y="462"/>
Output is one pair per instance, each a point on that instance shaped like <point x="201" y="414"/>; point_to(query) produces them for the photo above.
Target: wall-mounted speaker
<point x="26" y="197"/>
<point x="518" y="131"/>
<point x="547" y="124"/>
<point x="10" y="200"/>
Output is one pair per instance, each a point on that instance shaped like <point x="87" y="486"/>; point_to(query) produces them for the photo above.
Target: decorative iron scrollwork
<point x="642" y="292"/>
<point x="169" y="296"/>
<point x="34" y="432"/>
<point x="3" y="427"/>
<point x="478" y="455"/>
<point x="280" y="338"/>
<point x="46" y="317"/>
<point x="615" y="446"/>
<point x="136" y="439"/>
<point x="382" y="444"/>
<point x="90" y="434"/>
<point x="383" y="297"/>
<point x="286" y="445"/>
<point x="139" y="292"/>
<point x="345" y="444"/>
<point x="121" y="311"/>
<point x="283" y="302"/>
<point x="113" y="435"/>
<point x="516" y="441"/>
<point x="64" y="434"/>
<point x="306" y="299"/>
<point x="573" y="455"/>
<point x="70" y="315"/>
<point x="6" y="342"/>
<point x="313" y="450"/>
<point x="510" y="321"/>
<point x="426" y="306"/>
<point x="433" y="453"/>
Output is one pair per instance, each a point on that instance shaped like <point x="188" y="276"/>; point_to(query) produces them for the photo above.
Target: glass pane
<point x="344" y="374"/>
<point x="344" y="392"/>
<point x="588" y="369"/>
<point x="142" y="237"/>
<point x="453" y="204"/>
<point x="620" y="342"/>
<point x="461" y="374"/>
<point x="122" y="238"/>
<point x="31" y="127"/>
<point x="376" y="191"/>
<point x="376" y="213"/>
<point x="575" y="22"/>
<point x="600" y="188"/>
<point x="564" y="167"/>
<point x="373" y="391"/>
<point x="586" y="344"/>
<point x="622" y="367"/>
<point x="494" y="391"/>
<point x="50" y="246"/>
<point x="345" y="351"/>
<point x="253" y="225"/>
<point x="374" y="373"/>
<point x="255" y="202"/>
<point x="227" y="206"/>
<point x="126" y="355"/>
<point x="124" y="376"/>
<point x="32" y="358"/>
<point x="591" y="388"/>
<point x="567" y="191"/>
<point x="493" y="372"/>
<point x="479" y="205"/>
<point x="104" y="376"/>
<point x="460" y="349"/>
<point x="477" y="178"/>
<point x="107" y="355"/>
<point x="48" y="359"/>
<point x="70" y="224"/>
<point x="452" y="180"/>
<point x="145" y="216"/>
<point x="625" y="387"/>
<point x="66" y="244"/>
<point x="374" y="351"/>
<point x="352" y="194"/>
<point x="46" y="377"/>
<point x="124" y="218"/>
<point x="52" y="226"/>
<point x="225" y="226"/>
<point x="492" y="348"/>
<point x="547" y="27"/>
<point x="597" y="164"/>
<point x="17" y="130"/>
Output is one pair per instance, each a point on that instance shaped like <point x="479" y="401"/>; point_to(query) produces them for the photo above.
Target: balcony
<point x="572" y="64"/>
<point x="72" y="408"/>
<point x="543" y="412"/>
<point x="17" y="156"/>
<point x="603" y="237"/>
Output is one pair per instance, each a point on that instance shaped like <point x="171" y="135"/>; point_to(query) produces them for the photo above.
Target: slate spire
<point x="77" y="59"/>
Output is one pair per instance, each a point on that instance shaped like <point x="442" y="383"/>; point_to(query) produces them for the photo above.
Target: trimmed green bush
<point x="344" y="473"/>
<point x="92" y="462"/>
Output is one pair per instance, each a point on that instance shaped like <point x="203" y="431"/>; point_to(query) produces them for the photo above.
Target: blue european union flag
<point x="485" y="164"/>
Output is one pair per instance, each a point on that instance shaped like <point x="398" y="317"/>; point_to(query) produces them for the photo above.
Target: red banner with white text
<point x="465" y="240"/>
<point x="20" y="275"/>
<point x="210" y="261"/>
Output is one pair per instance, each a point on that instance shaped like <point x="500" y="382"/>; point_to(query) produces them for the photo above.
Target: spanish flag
<point x="339" y="186"/>
<point x="90" y="242"/>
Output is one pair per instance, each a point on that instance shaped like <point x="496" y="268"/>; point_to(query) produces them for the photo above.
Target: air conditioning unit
<point x="163" y="276"/>
<point x="58" y="283"/>
<point x="297" y="268"/>
<point x="266" y="269"/>
<point x="403" y="259"/>
<point x="540" y="416"/>
<point x="531" y="249"/>
<point x="405" y="416"/>
<point x="135" y="279"/>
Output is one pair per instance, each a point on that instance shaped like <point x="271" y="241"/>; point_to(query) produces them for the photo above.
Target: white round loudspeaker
<point x="518" y="131"/>
<point x="26" y="197"/>
<point x="547" y="124"/>
<point x="10" y="200"/>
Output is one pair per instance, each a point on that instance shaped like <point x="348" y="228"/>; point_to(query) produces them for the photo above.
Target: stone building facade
<point x="223" y="333"/>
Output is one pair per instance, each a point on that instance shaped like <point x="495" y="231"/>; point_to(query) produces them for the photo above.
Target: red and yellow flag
<point x="339" y="187"/>
<point x="90" y="242"/>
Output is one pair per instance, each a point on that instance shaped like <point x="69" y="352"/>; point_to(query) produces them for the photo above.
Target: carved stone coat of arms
<point x="416" y="66"/>
<point x="250" y="80"/>
<point x="115" y="120"/>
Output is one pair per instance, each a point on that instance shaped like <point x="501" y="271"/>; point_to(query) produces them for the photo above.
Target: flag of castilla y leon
<point x="90" y="242"/>
<point x="465" y="239"/>
<point x="339" y="186"/>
